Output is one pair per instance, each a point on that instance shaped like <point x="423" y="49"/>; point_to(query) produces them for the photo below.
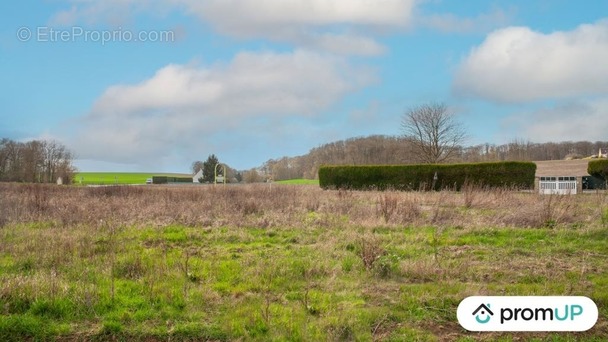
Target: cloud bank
<point x="517" y="64"/>
<point x="346" y="27"/>
<point x="185" y="106"/>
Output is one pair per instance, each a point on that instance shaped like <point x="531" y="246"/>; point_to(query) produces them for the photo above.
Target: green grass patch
<point x="108" y="178"/>
<point x="302" y="272"/>
<point x="174" y="282"/>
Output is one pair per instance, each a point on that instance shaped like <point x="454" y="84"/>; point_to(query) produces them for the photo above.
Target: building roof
<point x="562" y="168"/>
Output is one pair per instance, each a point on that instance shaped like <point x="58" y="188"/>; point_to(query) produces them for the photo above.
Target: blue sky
<point x="152" y="85"/>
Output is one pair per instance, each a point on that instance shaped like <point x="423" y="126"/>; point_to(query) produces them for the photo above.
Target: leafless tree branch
<point x="433" y="132"/>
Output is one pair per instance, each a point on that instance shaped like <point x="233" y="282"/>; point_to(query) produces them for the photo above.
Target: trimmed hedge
<point x="166" y="179"/>
<point x="598" y="168"/>
<point x="420" y="177"/>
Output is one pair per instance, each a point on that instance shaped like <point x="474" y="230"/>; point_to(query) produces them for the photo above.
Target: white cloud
<point x="186" y="107"/>
<point x="262" y="83"/>
<point x="112" y="12"/>
<point x="331" y="25"/>
<point x="241" y="17"/>
<point x="573" y="121"/>
<point x="341" y="44"/>
<point x="345" y="27"/>
<point x="517" y="64"/>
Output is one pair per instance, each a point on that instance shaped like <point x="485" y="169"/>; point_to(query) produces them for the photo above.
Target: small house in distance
<point x="564" y="177"/>
<point x="197" y="176"/>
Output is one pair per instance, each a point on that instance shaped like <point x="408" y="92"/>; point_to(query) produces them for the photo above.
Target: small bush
<point x="386" y="265"/>
<point x="556" y="209"/>
<point x="387" y="206"/>
<point x="470" y="190"/>
<point x="369" y="250"/>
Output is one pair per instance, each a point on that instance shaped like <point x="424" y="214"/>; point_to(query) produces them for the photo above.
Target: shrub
<point x="166" y="179"/>
<point x="179" y="179"/>
<point x="159" y="180"/>
<point x="598" y="168"/>
<point x="427" y="176"/>
<point x="369" y="250"/>
<point x="387" y="205"/>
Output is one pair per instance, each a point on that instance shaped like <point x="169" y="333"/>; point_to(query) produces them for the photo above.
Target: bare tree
<point x="197" y="166"/>
<point x="37" y="161"/>
<point x="10" y="159"/>
<point x="433" y="131"/>
<point x="33" y="161"/>
<point x="252" y="176"/>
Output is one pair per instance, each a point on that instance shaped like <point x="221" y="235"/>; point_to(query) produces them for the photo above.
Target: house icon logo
<point x="483" y="313"/>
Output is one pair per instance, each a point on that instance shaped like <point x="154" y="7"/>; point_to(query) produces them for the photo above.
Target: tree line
<point x="36" y="161"/>
<point x="385" y="150"/>
<point x="430" y="134"/>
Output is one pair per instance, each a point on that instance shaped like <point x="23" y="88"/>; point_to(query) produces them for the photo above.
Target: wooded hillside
<point x="383" y="150"/>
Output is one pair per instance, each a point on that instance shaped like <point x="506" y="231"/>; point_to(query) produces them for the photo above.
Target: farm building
<point x="565" y="177"/>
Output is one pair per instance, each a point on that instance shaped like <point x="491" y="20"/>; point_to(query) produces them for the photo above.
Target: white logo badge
<point x="533" y="313"/>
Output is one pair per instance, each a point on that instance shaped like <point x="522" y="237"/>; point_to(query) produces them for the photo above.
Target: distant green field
<point x="299" y="181"/>
<point x="103" y="178"/>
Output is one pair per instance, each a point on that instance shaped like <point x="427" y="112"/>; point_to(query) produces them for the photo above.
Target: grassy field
<point x="106" y="178"/>
<point x="259" y="263"/>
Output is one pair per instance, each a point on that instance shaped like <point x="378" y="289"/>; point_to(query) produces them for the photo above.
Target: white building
<point x="561" y="176"/>
<point x="197" y="176"/>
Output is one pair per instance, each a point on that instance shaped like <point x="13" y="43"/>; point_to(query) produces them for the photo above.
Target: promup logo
<point x="483" y="310"/>
<point x="532" y="313"/>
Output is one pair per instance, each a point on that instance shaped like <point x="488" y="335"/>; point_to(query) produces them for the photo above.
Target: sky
<point x="153" y="85"/>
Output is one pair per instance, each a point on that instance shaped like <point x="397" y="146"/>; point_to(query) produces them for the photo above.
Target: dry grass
<point x="280" y="206"/>
<point x="257" y="262"/>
